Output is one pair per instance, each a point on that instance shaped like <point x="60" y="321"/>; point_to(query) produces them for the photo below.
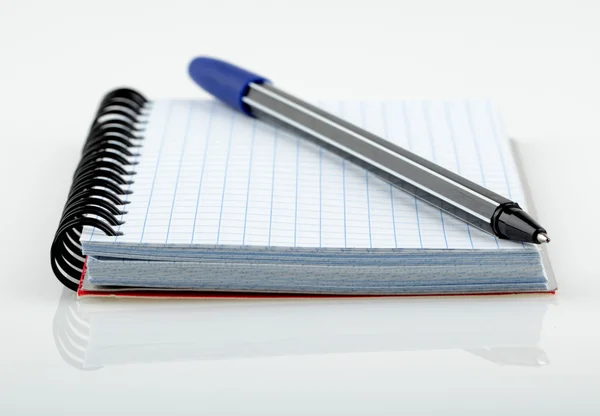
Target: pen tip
<point x="543" y="238"/>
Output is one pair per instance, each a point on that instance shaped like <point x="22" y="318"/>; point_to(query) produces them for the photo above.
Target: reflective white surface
<point x="88" y="335"/>
<point x="512" y="355"/>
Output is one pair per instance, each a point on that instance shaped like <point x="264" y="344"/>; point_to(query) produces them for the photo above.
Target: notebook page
<point x="209" y="175"/>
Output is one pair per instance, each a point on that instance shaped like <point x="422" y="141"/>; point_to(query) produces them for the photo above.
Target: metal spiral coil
<point x="100" y="180"/>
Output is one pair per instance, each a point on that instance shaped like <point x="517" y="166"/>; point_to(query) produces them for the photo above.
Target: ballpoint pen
<point x="255" y="96"/>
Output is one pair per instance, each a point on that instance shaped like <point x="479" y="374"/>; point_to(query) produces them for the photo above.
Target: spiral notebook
<point x="190" y="198"/>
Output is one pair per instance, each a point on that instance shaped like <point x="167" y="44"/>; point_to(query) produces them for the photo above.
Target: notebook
<point x="184" y="197"/>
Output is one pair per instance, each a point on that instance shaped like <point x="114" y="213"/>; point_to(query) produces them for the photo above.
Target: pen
<point x="478" y="206"/>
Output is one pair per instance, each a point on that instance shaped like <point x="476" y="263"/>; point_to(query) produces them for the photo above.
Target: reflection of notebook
<point x="220" y="202"/>
<point x="504" y="331"/>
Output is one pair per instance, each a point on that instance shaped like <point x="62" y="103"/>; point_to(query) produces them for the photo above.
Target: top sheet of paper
<point x="209" y="175"/>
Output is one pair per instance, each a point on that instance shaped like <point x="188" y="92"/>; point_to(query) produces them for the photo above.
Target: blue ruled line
<point x="363" y="125"/>
<point x="341" y="107"/>
<point x="233" y="117"/>
<point x="273" y="184"/>
<point x="490" y="113"/>
<point x="207" y="140"/>
<point x="321" y="197"/>
<point x="387" y="134"/>
<point x="187" y="127"/>
<point x="434" y="157"/>
<point x="456" y="157"/>
<point x="444" y="228"/>
<point x="249" y="177"/>
<point x="475" y="143"/>
<point x="477" y="150"/>
<point x="320" y="104"/>
<point x="167" y="114"/>
<point x="368" y="208"/>
<point x="407" y="133"/>
<point x="297" y="177"/>
<point x="344" y="191"/>
<point x="418" y="222"/>
<point x="393" y="215"/>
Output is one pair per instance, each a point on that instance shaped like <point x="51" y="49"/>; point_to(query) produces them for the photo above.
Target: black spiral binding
<point x="100" y="180"/>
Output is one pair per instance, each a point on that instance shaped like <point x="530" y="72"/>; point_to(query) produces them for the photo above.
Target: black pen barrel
<point x="444" y="189"/>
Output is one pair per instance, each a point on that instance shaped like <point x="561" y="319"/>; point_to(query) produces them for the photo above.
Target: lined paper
<point x="209" y="175"/>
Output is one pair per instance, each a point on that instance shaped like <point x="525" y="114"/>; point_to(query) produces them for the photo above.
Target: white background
<point x="539" y="60"/>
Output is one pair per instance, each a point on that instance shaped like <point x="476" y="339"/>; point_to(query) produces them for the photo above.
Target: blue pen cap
<point x="225" y="81"/>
